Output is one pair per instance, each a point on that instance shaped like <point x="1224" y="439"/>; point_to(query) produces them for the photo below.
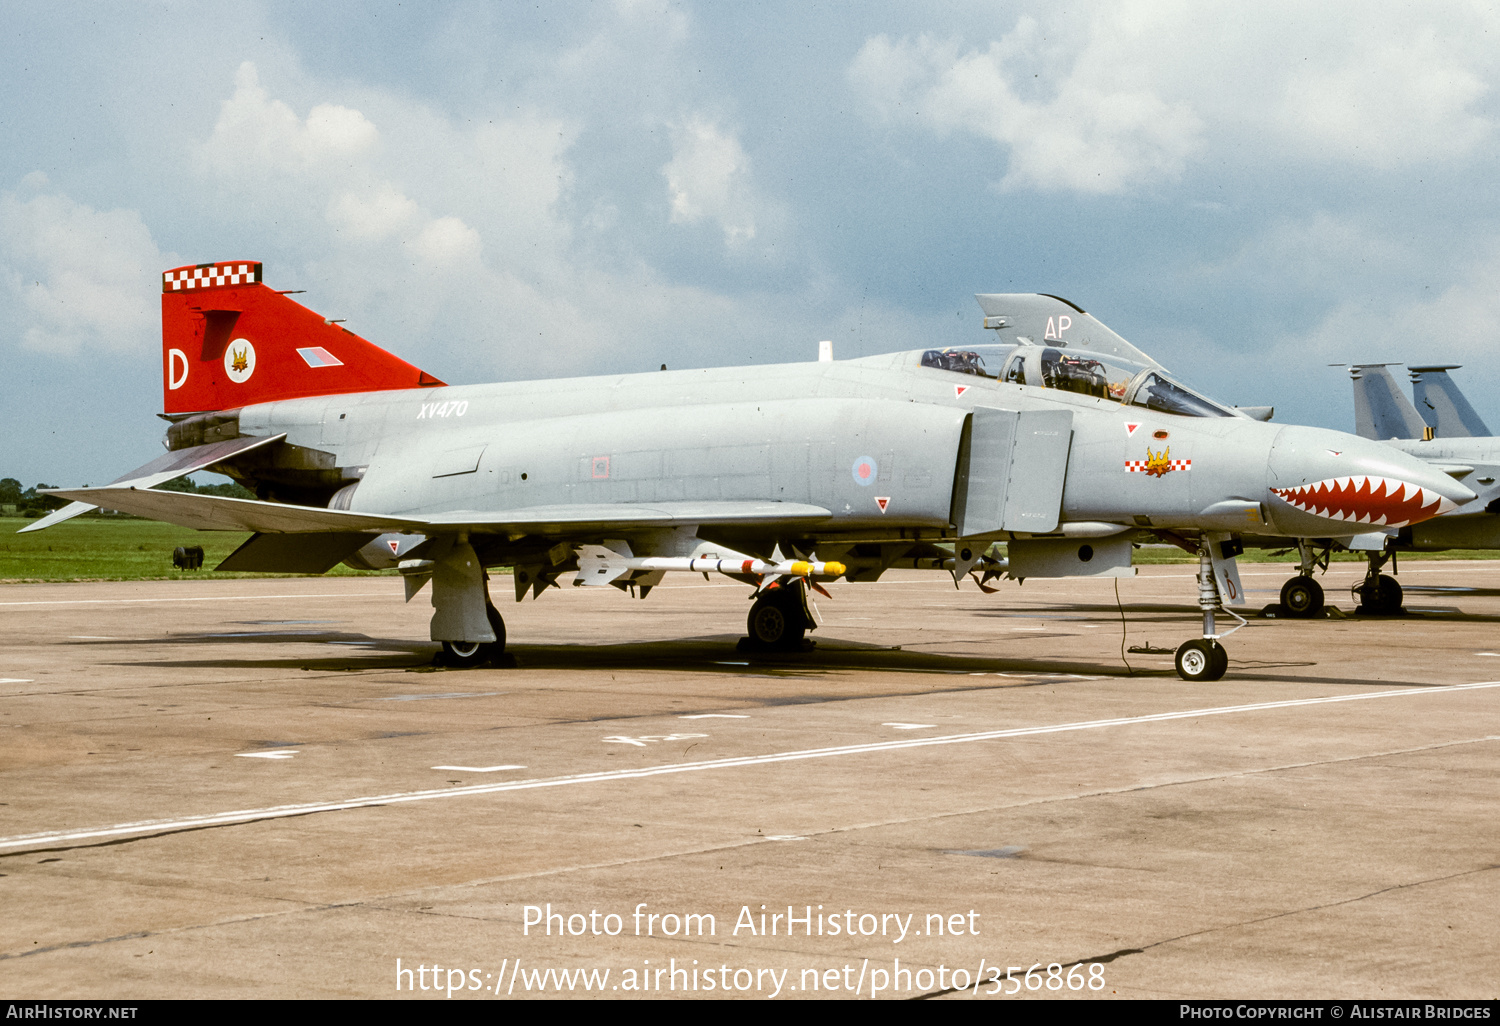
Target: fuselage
<point x="875" y="441"/>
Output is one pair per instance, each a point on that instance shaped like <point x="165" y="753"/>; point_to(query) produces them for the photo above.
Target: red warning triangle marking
<point x="395" y="545"/>
<point x="959" y="390"/>
<point x="1130" y="428"/>
<point x="882" y="501"/>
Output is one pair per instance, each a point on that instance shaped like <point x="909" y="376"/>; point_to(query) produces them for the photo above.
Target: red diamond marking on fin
<point x="882" y="501"/>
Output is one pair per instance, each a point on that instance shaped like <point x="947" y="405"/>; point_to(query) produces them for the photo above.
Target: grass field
<point x="116" y="549"/>
<point x="125" y="549"/>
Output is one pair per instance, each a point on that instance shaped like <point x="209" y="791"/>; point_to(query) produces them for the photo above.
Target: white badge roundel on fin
<point x="239" y="360"/>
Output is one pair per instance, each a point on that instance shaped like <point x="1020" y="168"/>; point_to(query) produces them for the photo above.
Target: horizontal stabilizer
<point x="165" y="467"/>
<point x="215" y="513"/>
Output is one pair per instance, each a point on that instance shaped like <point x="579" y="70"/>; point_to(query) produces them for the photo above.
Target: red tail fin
<point x="229" y="341"/>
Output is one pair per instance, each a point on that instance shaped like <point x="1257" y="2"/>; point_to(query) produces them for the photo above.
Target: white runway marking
<point x="448" y="694"/>
<point x="153" y="826"/>
<point x="15" y="680"/>
<point x="909" y="726"/>
<point x="478" y="769"/>
<point x="283" y="754"/>
<point x="196" y="598"/>
<point x="713" y="716"/>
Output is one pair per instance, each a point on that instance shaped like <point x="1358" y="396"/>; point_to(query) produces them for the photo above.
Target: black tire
<point x="1201" y="659"/>
<point x="1383" y="598"/>
<point x="1221" y="661"/>
<point x="465" y="655"/>
<point x="776" y="621"/>
<point x="1302" y="598"/>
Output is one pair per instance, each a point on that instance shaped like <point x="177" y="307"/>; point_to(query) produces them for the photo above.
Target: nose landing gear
<point x="1204" y="659"/>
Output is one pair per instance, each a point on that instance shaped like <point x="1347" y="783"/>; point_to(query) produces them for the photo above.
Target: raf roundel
<point x="864" y="471"/>
<point x="239" y="360"/>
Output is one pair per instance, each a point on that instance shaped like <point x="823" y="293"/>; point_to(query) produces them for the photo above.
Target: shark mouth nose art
<point x="1359" y="499"/>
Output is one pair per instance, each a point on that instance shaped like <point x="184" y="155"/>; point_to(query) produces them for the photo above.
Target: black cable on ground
<point x="1128" y="671"/>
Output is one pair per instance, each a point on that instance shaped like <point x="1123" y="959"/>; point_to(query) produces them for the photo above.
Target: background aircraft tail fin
<point x="228" y="341"/>
<point x="1442" y="405"/>
<point x="1380" y="410"/>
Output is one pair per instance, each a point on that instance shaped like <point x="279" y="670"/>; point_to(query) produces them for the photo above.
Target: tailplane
<point x="230" y="341"/>
<point x="1443" y="406"/>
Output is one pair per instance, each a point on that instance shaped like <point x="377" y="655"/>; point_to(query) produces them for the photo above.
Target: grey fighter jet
<point x="1066" y="443"/>
<point x="1443" y="430"/>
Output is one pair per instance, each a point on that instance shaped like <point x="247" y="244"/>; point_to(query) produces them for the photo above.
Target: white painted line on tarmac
<point x="713" y="716"/>
<point x="909" y="726"/>
<point x="448" y="694"/>
<point x="153" y="826"/>
<point x="15" y="680"/>
<point x="478" y="769"/>
<point x="198" y="598"/>
<point x="285" y="753"/>
<point x="1488" y="653"/>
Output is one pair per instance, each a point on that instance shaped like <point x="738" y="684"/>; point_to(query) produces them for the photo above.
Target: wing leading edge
<point x="216" y="513"/>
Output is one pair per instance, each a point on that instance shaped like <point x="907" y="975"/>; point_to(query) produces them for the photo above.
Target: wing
<point x="215" y="513"/>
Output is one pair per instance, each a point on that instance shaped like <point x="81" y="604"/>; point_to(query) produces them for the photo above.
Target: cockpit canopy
<point x="1080" y="371"/>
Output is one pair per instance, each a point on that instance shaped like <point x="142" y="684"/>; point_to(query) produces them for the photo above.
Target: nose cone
<point x="1327" y="479"/>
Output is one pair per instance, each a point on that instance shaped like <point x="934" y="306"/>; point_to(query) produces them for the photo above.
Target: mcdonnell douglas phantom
<point x="1065" y="442"/>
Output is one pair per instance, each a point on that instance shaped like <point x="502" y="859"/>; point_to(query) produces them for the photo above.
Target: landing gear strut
<point x="1379" y="594"/>
<point x="1302" y="596"/>
<point x="779" y="618"/>
<point x="1204" y="658"/>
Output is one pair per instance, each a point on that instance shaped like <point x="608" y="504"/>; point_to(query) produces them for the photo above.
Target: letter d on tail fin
<point x="229" y="341"/>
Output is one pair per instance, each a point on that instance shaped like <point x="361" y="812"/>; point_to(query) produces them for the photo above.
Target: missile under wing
<point x="785" y="477"/>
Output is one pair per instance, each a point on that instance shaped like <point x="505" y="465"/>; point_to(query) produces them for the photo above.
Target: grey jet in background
<point x="1063" y="441"/>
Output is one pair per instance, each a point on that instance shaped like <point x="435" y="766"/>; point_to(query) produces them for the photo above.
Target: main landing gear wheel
<point x="1382" y="596"/>
<point x="776" y="620"/>
<point x="465" y="655"/>
<point x="1202" y="659"/>
<point x="1302" y="597"/>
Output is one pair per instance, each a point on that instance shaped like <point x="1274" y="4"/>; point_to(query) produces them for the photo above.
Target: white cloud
<point x="1388" y="103"/>
<point x="256" y="135"/>
<point x="1108" y="97"/>
<point x="1320" y="253"/>
<point x="709" y="177"/>
<point x="1088" y="136"/>
<point x="77" y="279"/>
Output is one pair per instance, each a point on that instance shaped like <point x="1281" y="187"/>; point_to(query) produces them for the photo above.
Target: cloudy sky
<point x="509" y="191"/>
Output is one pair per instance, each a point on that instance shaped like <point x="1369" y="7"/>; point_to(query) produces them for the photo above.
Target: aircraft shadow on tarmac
<point x="713" y="654"/>
<point x="718" y="654"/>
